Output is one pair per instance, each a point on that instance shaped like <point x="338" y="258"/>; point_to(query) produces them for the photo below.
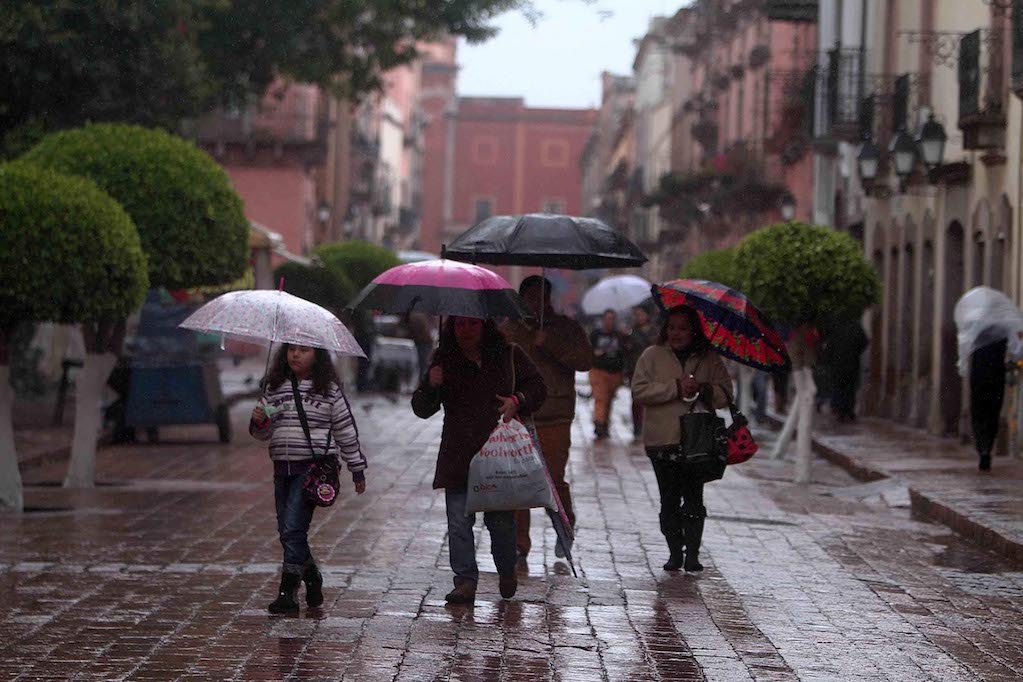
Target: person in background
<point x="310" y="372"/>
<point x="642" y="334"/>
<point x="842" y="350"/>
<point x="987" y="392"/>
<point x="559" y="349"/>
<point x="606" y="375"/>
<point x="477" y="378"/>
<point x="421" y="331"/>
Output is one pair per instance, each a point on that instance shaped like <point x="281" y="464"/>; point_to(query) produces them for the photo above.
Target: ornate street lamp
<point x="788" y="207"/>
<point x="932" y="143"/>
<point x="869" y="161"/>
<point x="903" y="149"/>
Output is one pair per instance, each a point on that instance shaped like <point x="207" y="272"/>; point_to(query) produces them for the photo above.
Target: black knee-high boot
<point x="694" y="536"/>
<point x="673" y="528"/>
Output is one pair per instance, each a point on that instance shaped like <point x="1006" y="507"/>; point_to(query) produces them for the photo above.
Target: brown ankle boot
<point x="464" y="592"/>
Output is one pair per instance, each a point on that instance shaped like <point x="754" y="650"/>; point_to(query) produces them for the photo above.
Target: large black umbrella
<point x="545" y="240"/>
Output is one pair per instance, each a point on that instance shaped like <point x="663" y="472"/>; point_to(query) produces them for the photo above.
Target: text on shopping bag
<point x="507" y="473"/>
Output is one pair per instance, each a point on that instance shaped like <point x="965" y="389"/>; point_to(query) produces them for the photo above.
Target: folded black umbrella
<point x="545" y="240"/>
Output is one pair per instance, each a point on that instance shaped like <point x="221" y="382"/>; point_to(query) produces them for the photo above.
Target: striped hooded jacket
<point x="323" y="412"/>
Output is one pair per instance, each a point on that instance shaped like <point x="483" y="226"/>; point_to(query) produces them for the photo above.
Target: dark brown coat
<point x="469" y="398"/>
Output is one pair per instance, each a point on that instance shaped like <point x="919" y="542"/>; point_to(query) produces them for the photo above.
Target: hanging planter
<point x="721" y="81"/>
<point x="737" y="71"/>
<point x="706" y="133"/>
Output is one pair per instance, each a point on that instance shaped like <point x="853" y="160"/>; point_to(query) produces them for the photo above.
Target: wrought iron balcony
<point x="838" y="93"/>
<point x="981" y="71"/>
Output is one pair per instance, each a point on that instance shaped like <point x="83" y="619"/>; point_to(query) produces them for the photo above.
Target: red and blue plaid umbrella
<point x="733" y="325"/>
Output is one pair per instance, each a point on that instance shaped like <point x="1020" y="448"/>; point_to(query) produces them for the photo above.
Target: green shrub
<point x="189" y="219"/>
<point x="68" y="252"/>
<point x="359" y="261"/>
<point x="717" y="266"/>
<point x="806" y="273"/>
<point x="321" y="285"/>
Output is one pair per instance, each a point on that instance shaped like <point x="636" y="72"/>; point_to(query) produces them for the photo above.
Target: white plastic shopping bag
<point x="507" y="473"/>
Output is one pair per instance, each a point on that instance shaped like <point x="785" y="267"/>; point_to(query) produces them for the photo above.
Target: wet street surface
<point x="164" y="571"/>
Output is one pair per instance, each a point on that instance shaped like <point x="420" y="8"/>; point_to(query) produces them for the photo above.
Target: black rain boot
<point x="985" y="461"/>
<point x="694" y="535"/>
<point x="676" y="545"/>
<point x="313" y="580"/>
<point x="286" y="602"/>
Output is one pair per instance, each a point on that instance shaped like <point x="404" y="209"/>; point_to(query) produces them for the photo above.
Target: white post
<point x="805" y="392"/>
<point x="745" y="390"/>
<point x="88" y="418"/>
<point x="11" y="496"/>
<point x="787" y="430"/>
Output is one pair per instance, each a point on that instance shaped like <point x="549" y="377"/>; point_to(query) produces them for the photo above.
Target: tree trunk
<point x="102" y="343"/>
<point x="786" y="432"/>
<point x="745" y="390"/>
<point x="805" y="392"/>
<point x="11" y="496"/>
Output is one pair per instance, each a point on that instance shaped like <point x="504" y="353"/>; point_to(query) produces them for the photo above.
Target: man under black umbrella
<point x="559" y="349"/>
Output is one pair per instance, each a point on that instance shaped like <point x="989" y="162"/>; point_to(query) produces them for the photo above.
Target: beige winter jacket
<point x="654" y="386"/>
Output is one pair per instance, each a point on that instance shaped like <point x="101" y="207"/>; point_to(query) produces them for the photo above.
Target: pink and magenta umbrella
<point x="441" y="287"/>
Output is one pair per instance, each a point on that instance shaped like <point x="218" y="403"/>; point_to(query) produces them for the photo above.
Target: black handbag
<point x="703" y="451"/>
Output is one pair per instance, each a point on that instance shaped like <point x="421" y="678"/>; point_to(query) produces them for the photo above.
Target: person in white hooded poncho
<point x="990" y="333"/>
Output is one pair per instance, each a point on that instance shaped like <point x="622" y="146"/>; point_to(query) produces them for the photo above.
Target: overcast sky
<point x="557" y="63"/>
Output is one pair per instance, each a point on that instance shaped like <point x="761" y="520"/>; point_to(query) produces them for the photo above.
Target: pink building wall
<point x="280" y="198"/>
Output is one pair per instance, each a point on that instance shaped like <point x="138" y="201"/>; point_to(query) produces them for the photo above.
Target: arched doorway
<point x="925" y="336"/>
<point x="907" y="348"/>
<point x="893" y="315"/>
<point x="1001" y="246"/>
<point x="951" y="384"/>
<point x="980" y="230"/>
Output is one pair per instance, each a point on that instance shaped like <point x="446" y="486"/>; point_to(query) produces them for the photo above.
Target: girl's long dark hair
<point x="492" y="341"/>
<point x="323" y="373"/>
<point x="700" y="342"/>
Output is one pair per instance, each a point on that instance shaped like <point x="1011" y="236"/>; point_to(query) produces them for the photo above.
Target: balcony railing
<point x="250" y="125"/>
<point x="838" y="93"/>
<point x="981" y="72"/>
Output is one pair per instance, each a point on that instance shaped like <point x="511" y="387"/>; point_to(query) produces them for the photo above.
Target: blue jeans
<point x="294" y="514"/>
<point x="462" y="545"/>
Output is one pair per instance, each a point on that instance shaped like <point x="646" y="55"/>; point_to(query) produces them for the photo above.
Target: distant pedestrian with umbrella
<point x="303" y="413"/>
<point x="606" y="376"/>
<point x="679" y="374"/>
<point x="559" y="349"/>
<point x="477" y="378"/>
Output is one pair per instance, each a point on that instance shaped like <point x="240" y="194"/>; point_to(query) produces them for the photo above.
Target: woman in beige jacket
<point x="678" y="375"/>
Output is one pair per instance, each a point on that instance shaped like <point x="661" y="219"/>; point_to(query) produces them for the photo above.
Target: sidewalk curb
<point x="986" y="537"/>
<point x="921" y="504"/>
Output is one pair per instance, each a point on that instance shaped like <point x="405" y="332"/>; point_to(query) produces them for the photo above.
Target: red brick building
<point x="494" y="155"/>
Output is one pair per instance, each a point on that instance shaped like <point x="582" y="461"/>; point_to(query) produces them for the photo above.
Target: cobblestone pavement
<point x="164" y="571"/>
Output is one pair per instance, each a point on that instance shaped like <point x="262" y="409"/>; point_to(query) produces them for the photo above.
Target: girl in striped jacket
<point x="275" y="419"/>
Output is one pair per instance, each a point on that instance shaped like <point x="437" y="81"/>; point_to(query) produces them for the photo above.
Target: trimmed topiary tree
<point x="321" y="285"/>
<point x="189" y="218"/>
<point x="717" y="266"/>
<point x="190" y="221"/>
<point x="359" y="261"/>
<point x="805" y="277"/>
<point x="68" y="253"/>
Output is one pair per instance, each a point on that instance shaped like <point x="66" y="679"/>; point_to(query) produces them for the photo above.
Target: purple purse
<point x="322" y="483"/>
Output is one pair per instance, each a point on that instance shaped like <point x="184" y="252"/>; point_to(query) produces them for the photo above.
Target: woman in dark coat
<point x="478" y="378"/>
